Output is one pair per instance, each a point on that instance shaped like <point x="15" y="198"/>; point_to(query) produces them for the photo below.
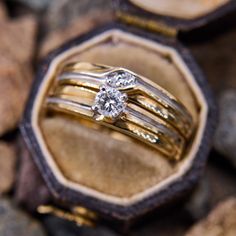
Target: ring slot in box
<point x="106" y="172"/>
<point x="83" y="164"/>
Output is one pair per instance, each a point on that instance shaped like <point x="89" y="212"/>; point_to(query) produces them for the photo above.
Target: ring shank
<point x="151" y="115"/>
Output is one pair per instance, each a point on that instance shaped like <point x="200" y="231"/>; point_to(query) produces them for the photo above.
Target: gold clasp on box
<point x="80" y="215"/>
<point x="151" y="25"/>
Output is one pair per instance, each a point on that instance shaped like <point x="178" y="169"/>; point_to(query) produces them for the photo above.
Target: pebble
<point x="16" y="50"/>
<point x="36" y="5"/>
<point x="76" y="27"/>
<point x="7" y="167"/>
<point x="59" y="227"/>
<point x="199" y="203"/>
<point x="221" y="221"/>
<point x="15" y="222"/>
<point x="225" y="138"/>
<point x="30" y="192"/>
<point x="62" y="12"/>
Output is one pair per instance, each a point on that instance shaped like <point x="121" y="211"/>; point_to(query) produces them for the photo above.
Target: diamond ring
<point x="125" y="102"/>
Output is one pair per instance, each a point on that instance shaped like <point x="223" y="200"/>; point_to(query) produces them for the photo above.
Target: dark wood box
<point x="171" y="17"/>
<point x="126" y="185"/>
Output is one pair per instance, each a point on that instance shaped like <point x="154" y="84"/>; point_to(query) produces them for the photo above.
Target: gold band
<point x="137" y="107"/>
<point x="145" y="93"/>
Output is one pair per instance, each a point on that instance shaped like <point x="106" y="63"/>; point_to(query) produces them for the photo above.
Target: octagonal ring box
<point x="116" y="178"/>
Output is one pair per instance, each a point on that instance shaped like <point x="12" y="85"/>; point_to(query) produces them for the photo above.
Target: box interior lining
<point x="120" y="171"/>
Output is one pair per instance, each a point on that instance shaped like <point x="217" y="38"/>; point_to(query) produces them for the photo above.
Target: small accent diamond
<point x="120" y="79"/>
<point x="110" y="102"/>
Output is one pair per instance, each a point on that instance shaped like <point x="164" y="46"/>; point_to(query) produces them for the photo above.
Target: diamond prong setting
<point x="121" y="79"/>
<point x="109" y="102"/>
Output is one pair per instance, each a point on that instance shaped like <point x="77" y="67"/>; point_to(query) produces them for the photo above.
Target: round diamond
<point x="110" y="102"/>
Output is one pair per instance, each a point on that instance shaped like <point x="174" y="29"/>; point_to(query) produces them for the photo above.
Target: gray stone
<point x="76" y="27"/>
<point x="62" y="12"/>
<point x="199" y="205"/>
<point x="36" y="5"/>
<point x="15" y="222"/>
<point x="218" y="65"/>
<point x="225" y="138"/>
<point x="29" y="192"/>
<point x="221" y="221"/>
<point x="16" y="51"/>
<point x="7" y="167"/>
<point x="59" y="227"/>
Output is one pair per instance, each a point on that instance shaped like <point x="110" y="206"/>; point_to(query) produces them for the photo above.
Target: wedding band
<point x="149" y="95"/>
<point x="125" y="102"/>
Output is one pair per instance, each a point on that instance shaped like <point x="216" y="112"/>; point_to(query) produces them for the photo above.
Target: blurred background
<point x="29" y="29"/>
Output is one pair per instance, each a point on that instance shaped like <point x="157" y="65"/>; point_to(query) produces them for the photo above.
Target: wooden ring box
<point x="118" y="178"/>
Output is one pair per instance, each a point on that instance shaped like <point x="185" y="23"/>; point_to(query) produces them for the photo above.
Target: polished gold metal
<point x="71" y="99"/>
<point x="80" y="215"/>
<point x="157" y="27"/>
<point x="150" y="114"/>
<point x="145" y="93"/>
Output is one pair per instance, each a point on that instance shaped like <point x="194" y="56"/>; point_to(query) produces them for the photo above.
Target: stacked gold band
<point x="126" y="102"/>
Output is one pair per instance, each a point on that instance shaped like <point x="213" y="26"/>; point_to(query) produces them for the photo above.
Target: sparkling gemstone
<point x="110" y="102"/>
<point x="120" y="79"/>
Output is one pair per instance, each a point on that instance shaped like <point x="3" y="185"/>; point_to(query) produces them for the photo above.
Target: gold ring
<point x="125" y="102"/>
